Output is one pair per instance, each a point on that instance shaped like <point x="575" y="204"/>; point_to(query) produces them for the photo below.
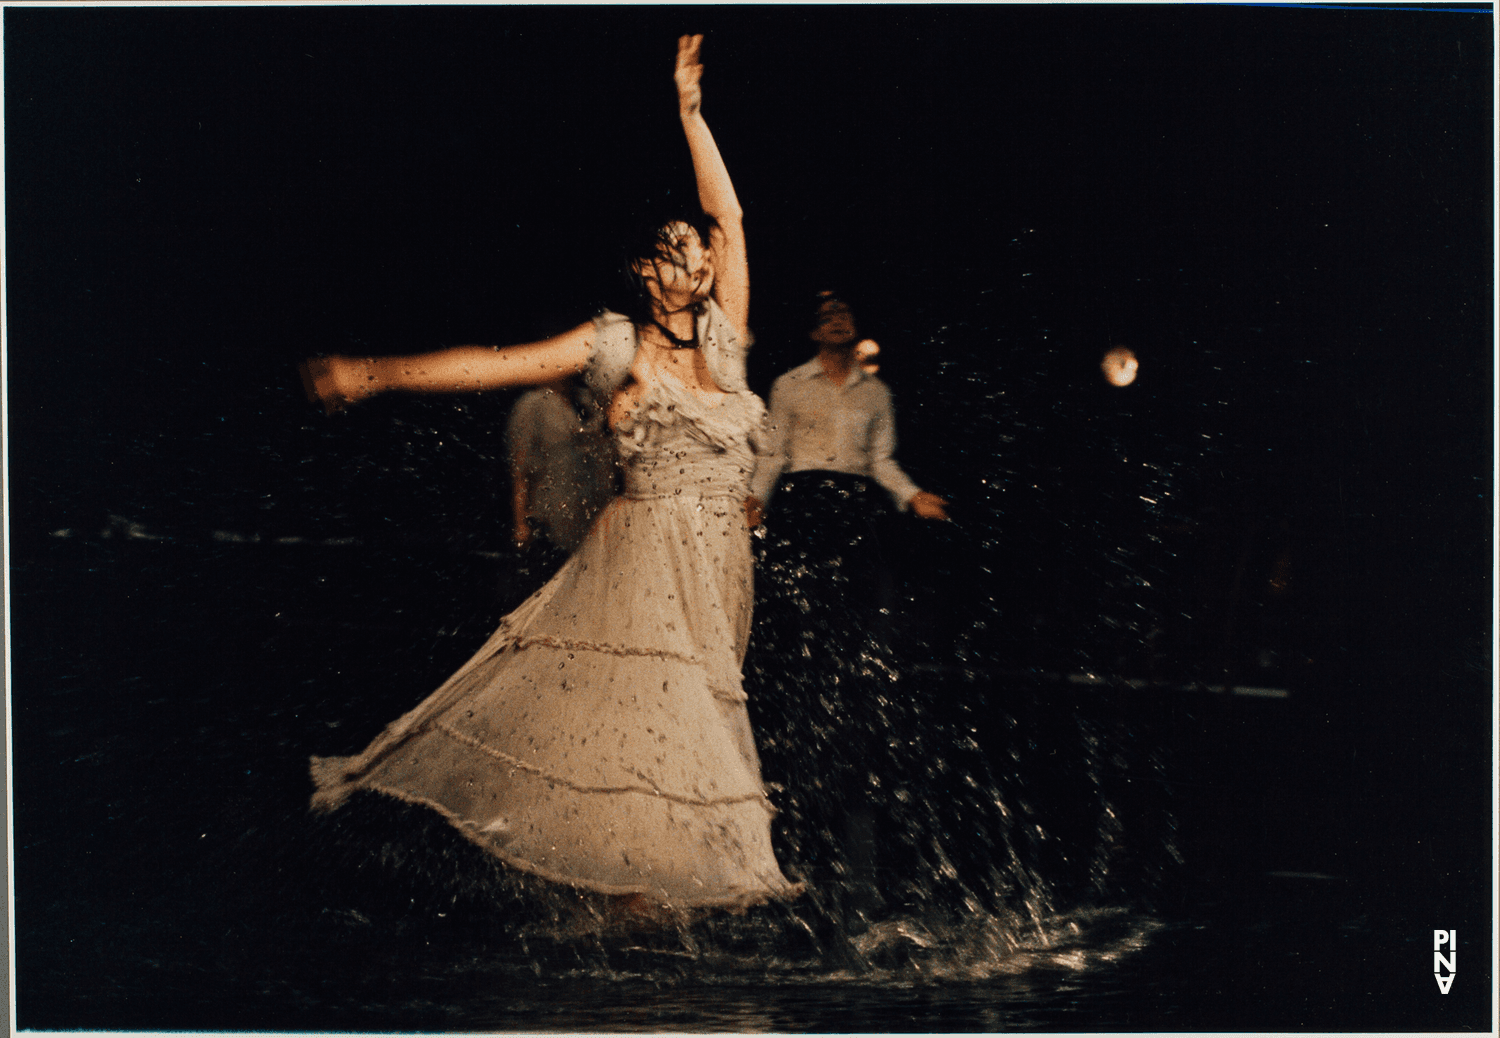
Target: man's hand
<point x="928" y="506"/>
<point x="755" y="511"/>
<point x="689" y="75"/>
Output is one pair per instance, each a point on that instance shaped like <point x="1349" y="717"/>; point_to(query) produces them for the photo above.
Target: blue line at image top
<point x="1474" y="9"/>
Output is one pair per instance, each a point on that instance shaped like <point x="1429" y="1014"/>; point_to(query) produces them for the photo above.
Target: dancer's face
<point x="682" y="272"/>
<point x="834" y="325"/>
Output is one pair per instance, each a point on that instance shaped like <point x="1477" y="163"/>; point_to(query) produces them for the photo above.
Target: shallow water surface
<point x="1172" y="860"/>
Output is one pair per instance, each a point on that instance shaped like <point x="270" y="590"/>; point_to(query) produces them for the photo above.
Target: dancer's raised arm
<point x="336" y="382"/>
<point x="715" y="189"/>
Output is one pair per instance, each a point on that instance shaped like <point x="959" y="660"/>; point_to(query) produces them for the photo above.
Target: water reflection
<point x="974" y="979"/>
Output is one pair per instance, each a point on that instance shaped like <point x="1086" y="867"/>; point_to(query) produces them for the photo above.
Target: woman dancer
<point x="599" y="738"/>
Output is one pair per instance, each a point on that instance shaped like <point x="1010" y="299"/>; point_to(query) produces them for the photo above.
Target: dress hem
<point x="737" y="902"/>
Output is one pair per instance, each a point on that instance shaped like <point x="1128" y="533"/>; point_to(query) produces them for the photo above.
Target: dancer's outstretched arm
<point x="715" y="189"/>
<point x="336" y="382"/>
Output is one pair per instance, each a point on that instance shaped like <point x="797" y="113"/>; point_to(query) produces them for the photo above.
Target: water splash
<point x="957" y="809"/>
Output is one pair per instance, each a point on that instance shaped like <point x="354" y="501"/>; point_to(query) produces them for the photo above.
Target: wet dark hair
<point x="649" y="239"/>
<point x="826" y="294"/>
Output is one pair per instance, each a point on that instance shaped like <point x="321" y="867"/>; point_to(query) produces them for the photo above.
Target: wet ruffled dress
<point x="600" y="738"/>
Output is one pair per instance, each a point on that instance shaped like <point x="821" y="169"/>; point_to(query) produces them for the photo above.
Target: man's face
<point x="834" y="325"/>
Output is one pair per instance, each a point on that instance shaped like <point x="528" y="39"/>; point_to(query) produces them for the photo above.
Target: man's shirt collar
<point x="814" y="369"/>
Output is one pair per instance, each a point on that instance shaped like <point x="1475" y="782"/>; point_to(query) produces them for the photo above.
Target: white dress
<point x="599" y="738"/>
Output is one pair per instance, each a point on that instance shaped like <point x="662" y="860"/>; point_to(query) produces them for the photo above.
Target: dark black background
<point x="197" y="198"/>
<point x="1287" y="213"/>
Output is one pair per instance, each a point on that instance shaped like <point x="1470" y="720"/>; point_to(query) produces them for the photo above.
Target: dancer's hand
<point x="521" y="535"/>
<point x="929" y="506"/>
<point x="689" y="75"/>
<point x="755" y="511"/>
<point x="336" y="382"/>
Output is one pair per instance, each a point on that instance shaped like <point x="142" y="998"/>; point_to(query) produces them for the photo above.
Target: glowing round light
<point x="865" y="354"/>
<point x="1119" y="366"/>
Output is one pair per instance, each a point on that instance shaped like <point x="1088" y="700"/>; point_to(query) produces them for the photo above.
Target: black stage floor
<point x="1291" y="858"/>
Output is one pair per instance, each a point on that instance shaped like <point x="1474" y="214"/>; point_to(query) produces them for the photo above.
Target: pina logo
<point x="1444" y="939"/>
